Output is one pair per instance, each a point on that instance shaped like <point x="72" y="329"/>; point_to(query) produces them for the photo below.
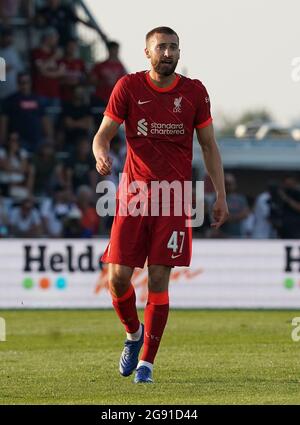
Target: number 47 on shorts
<point x="176" y="243"/>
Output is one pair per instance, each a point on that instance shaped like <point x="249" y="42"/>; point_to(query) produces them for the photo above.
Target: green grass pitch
<point x="206" y="357"/>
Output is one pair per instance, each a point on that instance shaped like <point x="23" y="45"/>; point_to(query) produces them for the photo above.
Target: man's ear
<point x="147" y="53"/>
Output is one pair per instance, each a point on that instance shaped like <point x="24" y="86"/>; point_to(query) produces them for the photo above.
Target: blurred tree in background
<point x="228" y="124"/>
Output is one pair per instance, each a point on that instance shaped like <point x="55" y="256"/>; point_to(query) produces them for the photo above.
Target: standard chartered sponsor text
<point x="167" y="129"/>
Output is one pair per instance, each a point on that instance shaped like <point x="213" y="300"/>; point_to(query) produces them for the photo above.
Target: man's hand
<point x="103" y="164"/>
<point x="220" y="213"/>
<point x="101" y="144"/>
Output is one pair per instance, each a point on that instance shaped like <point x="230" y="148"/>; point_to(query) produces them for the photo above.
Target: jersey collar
<point x="162" y="89"/>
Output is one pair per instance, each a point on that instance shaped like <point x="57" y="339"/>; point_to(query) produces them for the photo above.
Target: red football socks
<point x="126" y="310"/>
<point x="156" y="316"/>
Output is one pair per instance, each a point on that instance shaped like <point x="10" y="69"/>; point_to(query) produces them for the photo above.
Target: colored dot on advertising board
<point x="44" y="283"/>
<point x="27" y="283"/>
<point x="289" y="283"/>
<point x="61" y="283"/>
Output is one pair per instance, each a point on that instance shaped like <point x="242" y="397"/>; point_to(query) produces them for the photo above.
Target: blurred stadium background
<point x="61" y="66"/>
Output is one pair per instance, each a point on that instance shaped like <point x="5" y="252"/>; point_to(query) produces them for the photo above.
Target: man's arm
<point x="101" y="144"/>
<point x="213" y="163"/>
<point x="295" y="205"/>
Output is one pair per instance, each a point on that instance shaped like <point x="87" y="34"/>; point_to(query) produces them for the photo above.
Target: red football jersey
<point x="75" y="71"/>
<point x="108" y="73"/>
<point x="159" y="124"/>
<point x="45" y="86"/>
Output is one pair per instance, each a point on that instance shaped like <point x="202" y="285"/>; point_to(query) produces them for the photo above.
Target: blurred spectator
<point x="13" y="63"/>
<point x="77" y="121"/>
<point x="90" y="220"/>
<point x="60" y="16"/>
<point x="72" y="224"/>
<point x="47" y="71"/>
<point x="262" y="226"/>
<point x="80" y="167"/>
<point x="75" y="71"/>
<point x="248" y="222"/>
<point x="238" y="210"/>
<point x="4" y="217"/>
<point x="23" y="112"/>
<point x="25" y="221"/>
<point x="16" y="176"/>
<point x="48" y="170"/>
<point x="9" y="9"/>
<point x="54" y="211"/>
<point x="290" y="196"/>
<point x="104" y="75"/>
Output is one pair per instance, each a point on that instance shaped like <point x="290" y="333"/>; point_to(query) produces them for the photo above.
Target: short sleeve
<point x="203" y="116"/>
<point x="117" y="108"/>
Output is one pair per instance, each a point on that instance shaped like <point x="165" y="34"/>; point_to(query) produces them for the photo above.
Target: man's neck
<point x="161" y="80"/>
<point x="113" y="58"/>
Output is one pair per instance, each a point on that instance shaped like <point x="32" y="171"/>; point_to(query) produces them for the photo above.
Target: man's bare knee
<point x="158" y="278"/>
<point x="119" y="278"/>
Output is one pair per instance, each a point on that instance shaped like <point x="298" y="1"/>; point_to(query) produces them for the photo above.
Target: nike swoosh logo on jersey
<point x="175" y="256"/>
<point x="142" y="102"/>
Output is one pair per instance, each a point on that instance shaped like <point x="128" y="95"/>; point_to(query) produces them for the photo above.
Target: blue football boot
<point x="143" y="375"/>
<point x="130" y="355"/>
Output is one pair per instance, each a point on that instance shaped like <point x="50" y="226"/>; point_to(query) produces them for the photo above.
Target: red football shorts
<point x="164" y="240"/>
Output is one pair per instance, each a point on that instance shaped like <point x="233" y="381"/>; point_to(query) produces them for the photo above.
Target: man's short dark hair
<point x="112" y="45"/>
<point x="161" y="30"/>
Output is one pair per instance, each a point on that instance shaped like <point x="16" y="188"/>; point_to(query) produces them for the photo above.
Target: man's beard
<point x="164" y="68"/>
